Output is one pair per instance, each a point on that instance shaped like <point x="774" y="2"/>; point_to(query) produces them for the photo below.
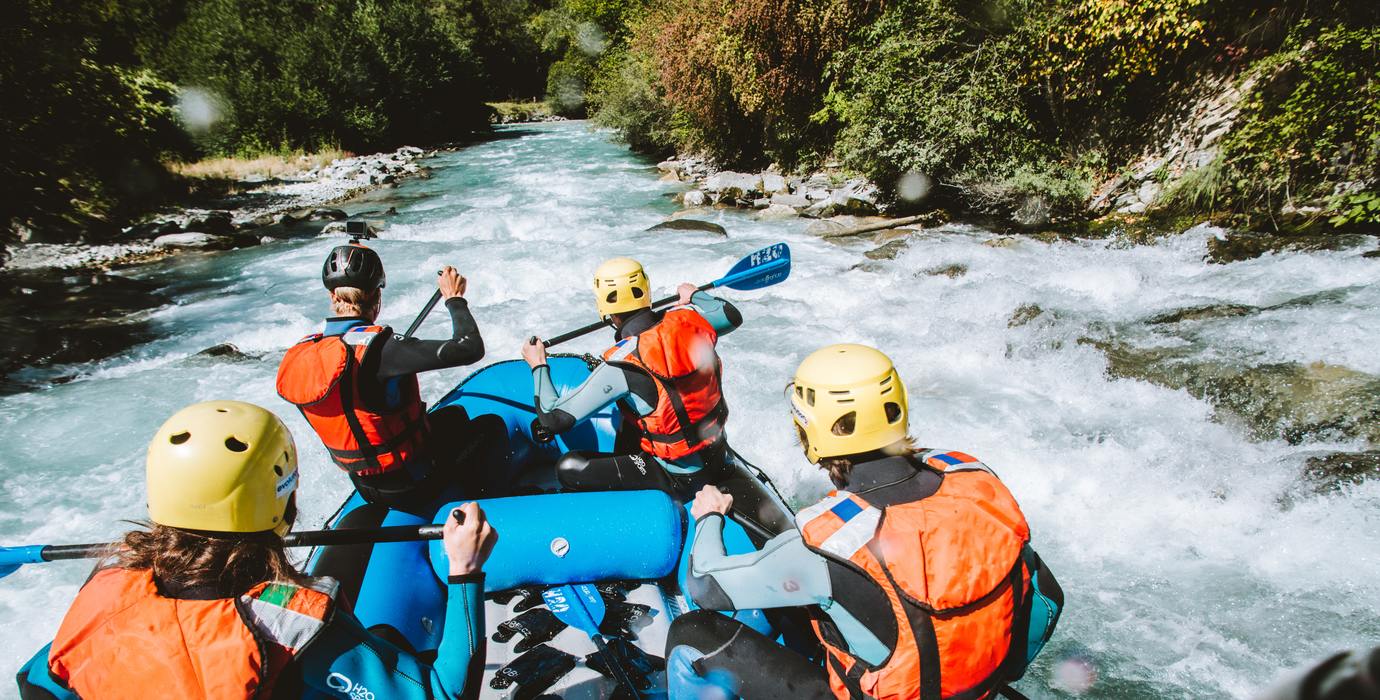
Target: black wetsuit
<point x="461" y="447"/>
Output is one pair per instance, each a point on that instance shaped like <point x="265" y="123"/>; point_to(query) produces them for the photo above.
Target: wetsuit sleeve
<point x="605" y="385"/>
<point x="399" y="356"/>
<point x="347" y="661"/>
<point x="720" y="314"/>
<point x="782" y="573"/>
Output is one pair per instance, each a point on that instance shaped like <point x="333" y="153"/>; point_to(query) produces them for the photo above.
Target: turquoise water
<point x="1188" y="571"/>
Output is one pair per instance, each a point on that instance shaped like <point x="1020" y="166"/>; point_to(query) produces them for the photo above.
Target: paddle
<point x="581" y="607"/>
<point x="762" y="268"/>
<point x="426" y="310"/>
<point x="11" y="558"/>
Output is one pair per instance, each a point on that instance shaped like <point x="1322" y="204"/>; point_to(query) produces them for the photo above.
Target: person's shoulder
<point x="951" y="460"/>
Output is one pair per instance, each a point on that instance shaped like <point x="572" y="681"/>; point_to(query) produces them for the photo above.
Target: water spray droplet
<point x="590" y="38"/>
<point x="199" y="109"/>
<point x="913" y="186"/>
<point x="1074" y="674"/>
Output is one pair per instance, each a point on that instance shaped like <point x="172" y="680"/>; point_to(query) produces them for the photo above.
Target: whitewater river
<point x="1195" y="560"/>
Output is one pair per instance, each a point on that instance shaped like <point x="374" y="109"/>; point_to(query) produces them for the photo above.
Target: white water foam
<point x="1187" y="572"/>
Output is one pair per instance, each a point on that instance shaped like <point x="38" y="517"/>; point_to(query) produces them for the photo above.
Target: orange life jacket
<point x="678" y="353"/>
<point x="320" y="375"/>
<point x="951" y="564"/>
<point x="121" y="639"/>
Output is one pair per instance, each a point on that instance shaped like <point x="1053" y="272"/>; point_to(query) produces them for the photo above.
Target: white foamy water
<point x="1187" y="574"/>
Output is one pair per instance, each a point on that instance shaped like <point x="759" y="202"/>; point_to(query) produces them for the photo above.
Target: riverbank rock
<point x="690" y="225"/>
<point x="327" y="214"/>
<point x="218" y="223"/>
<point x="797" y="202"/>
<point x="1234" y="246"/>
<point x="694" y="198"/>
<point x="226" y="351"/>
<point x="728" y="185"/>
<point x="194" y="240"/>
<point x="775" y="212"/>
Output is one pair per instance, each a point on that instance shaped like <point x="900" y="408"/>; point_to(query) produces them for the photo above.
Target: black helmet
<point x="353" y="266"/>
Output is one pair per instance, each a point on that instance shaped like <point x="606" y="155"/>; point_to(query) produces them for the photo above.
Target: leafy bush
<point x="84" y="125"/>
<point x="929" y="89"/>
<point x="626" y="98"/>
<point x="1311" y="134"/>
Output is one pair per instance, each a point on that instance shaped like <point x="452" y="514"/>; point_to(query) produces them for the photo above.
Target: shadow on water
<point x="70" y="317"/>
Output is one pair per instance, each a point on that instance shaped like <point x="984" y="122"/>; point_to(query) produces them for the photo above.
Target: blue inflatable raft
<point x="630" y="542"/>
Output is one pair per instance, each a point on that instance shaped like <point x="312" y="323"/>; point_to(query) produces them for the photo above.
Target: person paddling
<point x="917" y="570"/>
<point x="356" y="384"/>
<point x="665" y="375"/>
<point x="206" y="604"/>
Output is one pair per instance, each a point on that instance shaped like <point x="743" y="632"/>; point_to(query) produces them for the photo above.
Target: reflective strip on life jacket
<point x="951" y="564"/>
<point x="122" y="639"/>
<point x="678" y="353"/>
<point x="320" y="375"/>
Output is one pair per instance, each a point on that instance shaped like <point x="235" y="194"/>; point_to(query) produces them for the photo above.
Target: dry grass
<point x="266" y="166"/>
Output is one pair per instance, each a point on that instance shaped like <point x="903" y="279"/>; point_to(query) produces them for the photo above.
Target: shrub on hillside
<point x="1310" y="136"/>
<point x="84" y="126"/>
<point x="929" y="89"/>
<point x="626" y="98"/>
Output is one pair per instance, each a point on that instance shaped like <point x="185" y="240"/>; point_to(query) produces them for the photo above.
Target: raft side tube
<point x="555" y="539"/>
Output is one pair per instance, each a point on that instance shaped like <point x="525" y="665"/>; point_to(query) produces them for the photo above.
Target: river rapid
<point x="1195" y="560"/>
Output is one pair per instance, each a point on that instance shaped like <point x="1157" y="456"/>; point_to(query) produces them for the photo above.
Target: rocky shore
<point x="774" y="195"/>
<point x="260" y="213"/>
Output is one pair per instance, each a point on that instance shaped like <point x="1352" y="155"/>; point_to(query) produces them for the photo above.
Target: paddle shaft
<point x="311" y="538"/>
<point x="426" y="311"/>
<point x="585" y="330"/>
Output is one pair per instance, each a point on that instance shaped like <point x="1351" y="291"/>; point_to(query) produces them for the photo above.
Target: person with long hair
<point x="917" y="571"/>
<point x="205" y="602"/>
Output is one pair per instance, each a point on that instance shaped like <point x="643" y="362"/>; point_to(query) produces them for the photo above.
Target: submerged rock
<point x="1237" y="246"/>
<point x="1199" y="313"/>
<point x="888" y="251"/>
<point x="690" y="225"/>
<point x="953" y="271"/>
<point x="1340" y="469"/>
<point x="1025" y="313"/>
<point x="228" y="351"/>
<point x="1289" y="401"/>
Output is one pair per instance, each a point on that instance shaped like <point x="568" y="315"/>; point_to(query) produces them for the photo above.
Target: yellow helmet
<point x="621" y="285"/>
<point x="847" y="399"/>
<point x="222" y="466"/>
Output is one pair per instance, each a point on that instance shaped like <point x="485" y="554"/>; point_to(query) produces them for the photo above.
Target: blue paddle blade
<point x="579" y="606"/>
<point x="763" y="268"/>
<point x="11" y="558"/>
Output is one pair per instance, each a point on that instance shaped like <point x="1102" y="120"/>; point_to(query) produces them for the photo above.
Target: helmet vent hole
<point x="799" y="393"/>
<point x="612" y="297"/>
<point x="235" y="445"/>
<point x="893" y="412"/>
<point x="180" y="438"/>
<point x="277" y="470"/>
<point x="221" y="410"/>
<point x="637" y="292"/>
<point x="845" y="400"/>
<point x="885" y="391"/>
<point x="810" y="396"/>
<point x="845" y="424"/>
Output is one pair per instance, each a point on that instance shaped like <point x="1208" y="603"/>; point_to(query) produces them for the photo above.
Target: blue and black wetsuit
<point x="635" y="391"/>
<point x="461" y="446"/>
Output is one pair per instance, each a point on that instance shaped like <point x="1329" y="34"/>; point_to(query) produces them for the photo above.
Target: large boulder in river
<point x="194" y="240"/>
<point x="690" y="225"/>
<point x="694" y="198"/>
